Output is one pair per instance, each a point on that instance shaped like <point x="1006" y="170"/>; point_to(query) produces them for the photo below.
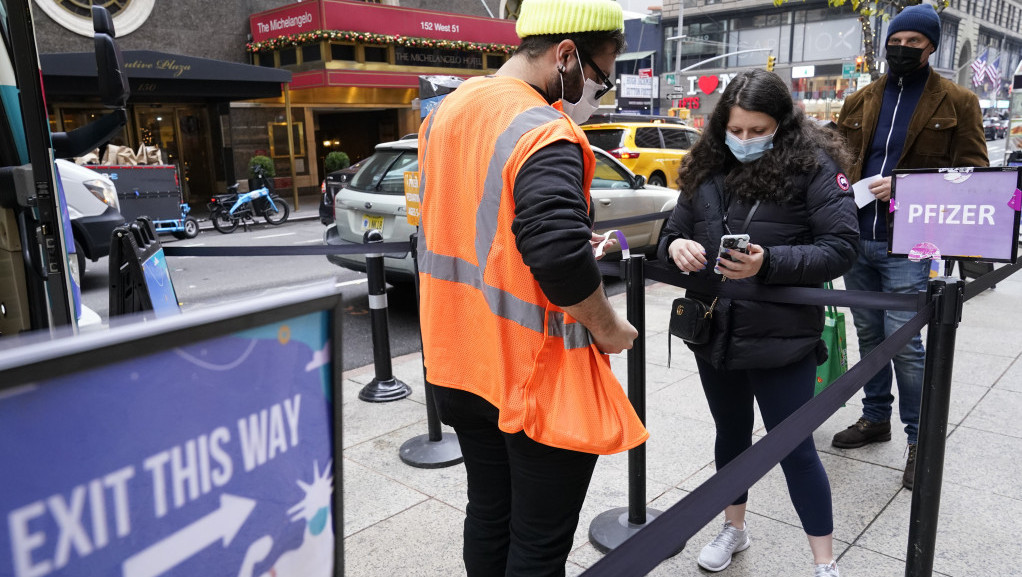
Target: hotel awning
<point x="162" y="77"/>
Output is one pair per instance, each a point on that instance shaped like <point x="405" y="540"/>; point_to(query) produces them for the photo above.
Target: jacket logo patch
<point x="842" y="181"/>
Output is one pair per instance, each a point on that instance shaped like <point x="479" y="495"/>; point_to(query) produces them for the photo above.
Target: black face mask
<point x="902" y="60"/>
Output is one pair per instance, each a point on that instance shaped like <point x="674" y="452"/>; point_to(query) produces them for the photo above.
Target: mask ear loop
<point x="560" y="76"/>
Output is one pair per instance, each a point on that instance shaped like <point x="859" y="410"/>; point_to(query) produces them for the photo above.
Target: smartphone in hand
<point x="738" y="242"/>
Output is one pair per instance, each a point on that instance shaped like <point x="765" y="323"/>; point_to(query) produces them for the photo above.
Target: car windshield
<point x="609" y="175"/>
<point x="384" y="171"/>
<point x="605" y="138"/>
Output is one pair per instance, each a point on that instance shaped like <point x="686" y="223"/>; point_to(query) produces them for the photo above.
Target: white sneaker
<point x="717" y="555"/>
<point x="828" y="570"/>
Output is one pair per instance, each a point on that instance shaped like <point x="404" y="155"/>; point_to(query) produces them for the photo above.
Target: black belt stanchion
<point x="940" y="353"/>
<point x="435" y="449"/>
<point x="384" y="387"/>
<point x="611" y="528"/>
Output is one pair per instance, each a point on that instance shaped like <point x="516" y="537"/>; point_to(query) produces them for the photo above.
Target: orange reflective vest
<point x="487" y="327"/>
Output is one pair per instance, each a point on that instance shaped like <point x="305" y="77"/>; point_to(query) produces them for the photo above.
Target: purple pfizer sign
<point x="968" y="213"/>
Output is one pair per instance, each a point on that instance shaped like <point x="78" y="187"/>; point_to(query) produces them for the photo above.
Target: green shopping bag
<point x="837" y="348"/>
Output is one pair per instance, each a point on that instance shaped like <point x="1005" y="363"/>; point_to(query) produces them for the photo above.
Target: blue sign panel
<point x="160" y="285"/>
<point x="212" y="459"/>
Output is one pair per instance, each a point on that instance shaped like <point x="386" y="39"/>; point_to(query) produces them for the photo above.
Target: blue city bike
<point x="229" y="210"/>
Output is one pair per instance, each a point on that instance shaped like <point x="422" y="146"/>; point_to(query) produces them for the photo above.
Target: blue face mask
<point x="751" y="149"/>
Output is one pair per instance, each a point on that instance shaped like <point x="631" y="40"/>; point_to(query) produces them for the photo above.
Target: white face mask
<point x="751" y="149"/>
<point x="588" y="103"/>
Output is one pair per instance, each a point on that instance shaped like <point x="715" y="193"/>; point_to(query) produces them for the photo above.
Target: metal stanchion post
<point x="436" y="449"/>
<point x="949" y="295"/>
<point x="384" y="387"/>
<point x="611" y="528"/>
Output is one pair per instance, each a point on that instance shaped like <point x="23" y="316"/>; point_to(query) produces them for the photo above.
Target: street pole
<point x="652" y="75"/>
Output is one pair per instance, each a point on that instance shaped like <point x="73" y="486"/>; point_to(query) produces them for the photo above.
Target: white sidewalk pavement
<point x="402" y="521"/>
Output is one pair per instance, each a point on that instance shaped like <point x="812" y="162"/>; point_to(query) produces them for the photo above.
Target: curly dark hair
<point x="796" y="143"/>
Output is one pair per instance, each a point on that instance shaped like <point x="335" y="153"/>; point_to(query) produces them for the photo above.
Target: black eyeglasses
<point x="607" y="84"/>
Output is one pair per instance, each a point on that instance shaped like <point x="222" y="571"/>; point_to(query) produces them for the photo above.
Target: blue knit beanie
<point x="921" y="18"/>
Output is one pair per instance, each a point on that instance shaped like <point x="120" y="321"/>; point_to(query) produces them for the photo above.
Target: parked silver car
<point x="375" y="199"/>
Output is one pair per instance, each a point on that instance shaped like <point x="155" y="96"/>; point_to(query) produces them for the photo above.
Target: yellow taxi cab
<point x="652" y="149"/>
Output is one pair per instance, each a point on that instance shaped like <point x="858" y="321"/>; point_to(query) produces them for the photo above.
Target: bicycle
<point x="227" y="211"/>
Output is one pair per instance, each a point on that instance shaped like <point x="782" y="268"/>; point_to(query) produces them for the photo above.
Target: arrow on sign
<point x="222" y="524"/>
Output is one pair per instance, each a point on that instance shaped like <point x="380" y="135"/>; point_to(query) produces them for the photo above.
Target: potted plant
<point x="266" y="164"/>
<point x="336" y="160"/>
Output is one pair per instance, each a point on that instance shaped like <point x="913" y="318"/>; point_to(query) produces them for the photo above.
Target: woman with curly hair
<point x="762" y="168"/>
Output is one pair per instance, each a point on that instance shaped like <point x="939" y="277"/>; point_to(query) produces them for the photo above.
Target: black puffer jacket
<point x="809" y="239"/>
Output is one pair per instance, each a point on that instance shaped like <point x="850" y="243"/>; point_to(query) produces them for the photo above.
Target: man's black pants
<point x="524" y="498"/>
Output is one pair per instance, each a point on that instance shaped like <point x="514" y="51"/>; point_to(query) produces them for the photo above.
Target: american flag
<point x="979" y="68"/>
<point x="993" y="71"/>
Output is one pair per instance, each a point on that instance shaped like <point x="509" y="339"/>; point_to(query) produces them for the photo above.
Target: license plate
<point x="371" y="222"/>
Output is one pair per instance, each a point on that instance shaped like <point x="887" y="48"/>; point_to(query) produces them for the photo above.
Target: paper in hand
<point x="861" y="188"/>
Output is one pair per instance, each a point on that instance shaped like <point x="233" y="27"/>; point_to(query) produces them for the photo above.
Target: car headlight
<point x="102" y="190"/>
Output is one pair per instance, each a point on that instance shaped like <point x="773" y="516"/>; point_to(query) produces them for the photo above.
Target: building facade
<point x="816" y="47"/>
<point x="212" y="89"/>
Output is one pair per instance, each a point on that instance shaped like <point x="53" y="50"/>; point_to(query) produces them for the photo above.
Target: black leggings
<point x="779" y="392"/>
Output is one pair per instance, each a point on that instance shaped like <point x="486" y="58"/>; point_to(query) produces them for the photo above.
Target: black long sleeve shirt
<point x="552" y="227"/>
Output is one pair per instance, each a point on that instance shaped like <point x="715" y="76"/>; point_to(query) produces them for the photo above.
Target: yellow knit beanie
<point x="568" y="16"/>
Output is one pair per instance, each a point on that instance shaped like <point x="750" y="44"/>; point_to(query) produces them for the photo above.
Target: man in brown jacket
<point x="910" y="118"/>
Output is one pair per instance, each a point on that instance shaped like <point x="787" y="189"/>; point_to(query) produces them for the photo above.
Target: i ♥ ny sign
<point x="708" y="84"/>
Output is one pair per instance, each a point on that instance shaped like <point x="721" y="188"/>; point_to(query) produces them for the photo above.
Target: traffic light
<point x="860" y="65"/>
<point x="771" y="60"/>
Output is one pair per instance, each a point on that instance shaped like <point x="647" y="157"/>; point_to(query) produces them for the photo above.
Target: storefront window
<point x="312" y="53"/>
<point x="757" y="32"/>
<point x="821" y="97"/>
<point x="495" y="60"/>
<point x="288" y="56"/>
<point x="342" y="52"/>
<point x="252" y="130"/>
<point x="948" y="37"/>
<point x="826" y="39"/>
<point x="264" y="59"/>
<point x="713" y="36"/>
<point x="72" y="118"/>
<point x="754" y="37"/>
<point x="376" y="54"/>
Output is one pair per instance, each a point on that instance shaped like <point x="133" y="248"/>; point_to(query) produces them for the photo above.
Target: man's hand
<point x="611" y="333"/>
<point x="743" y="265"/>
<point x="688" y="255"/>
<point x="614" y="339"/>
<point x="596" y="239"/>
<point x="881" y="188"/>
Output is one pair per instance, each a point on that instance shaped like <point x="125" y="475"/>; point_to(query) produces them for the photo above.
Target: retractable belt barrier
<point x="322" y="250"/>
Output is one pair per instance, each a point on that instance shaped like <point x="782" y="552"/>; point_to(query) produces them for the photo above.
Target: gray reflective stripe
<point x="489" y="206"/>
<point x="575" y="335"/>
<point x="501" y="303"/>
<point x="450" y="268"/>
<point x="422" y="173"/>
<point x="378" y="301"/>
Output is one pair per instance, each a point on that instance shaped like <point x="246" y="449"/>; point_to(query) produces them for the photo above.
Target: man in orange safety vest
<point x="515" y="322"/>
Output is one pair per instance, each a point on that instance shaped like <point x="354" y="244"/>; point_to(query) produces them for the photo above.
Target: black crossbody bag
<point x="692" y="319"/>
